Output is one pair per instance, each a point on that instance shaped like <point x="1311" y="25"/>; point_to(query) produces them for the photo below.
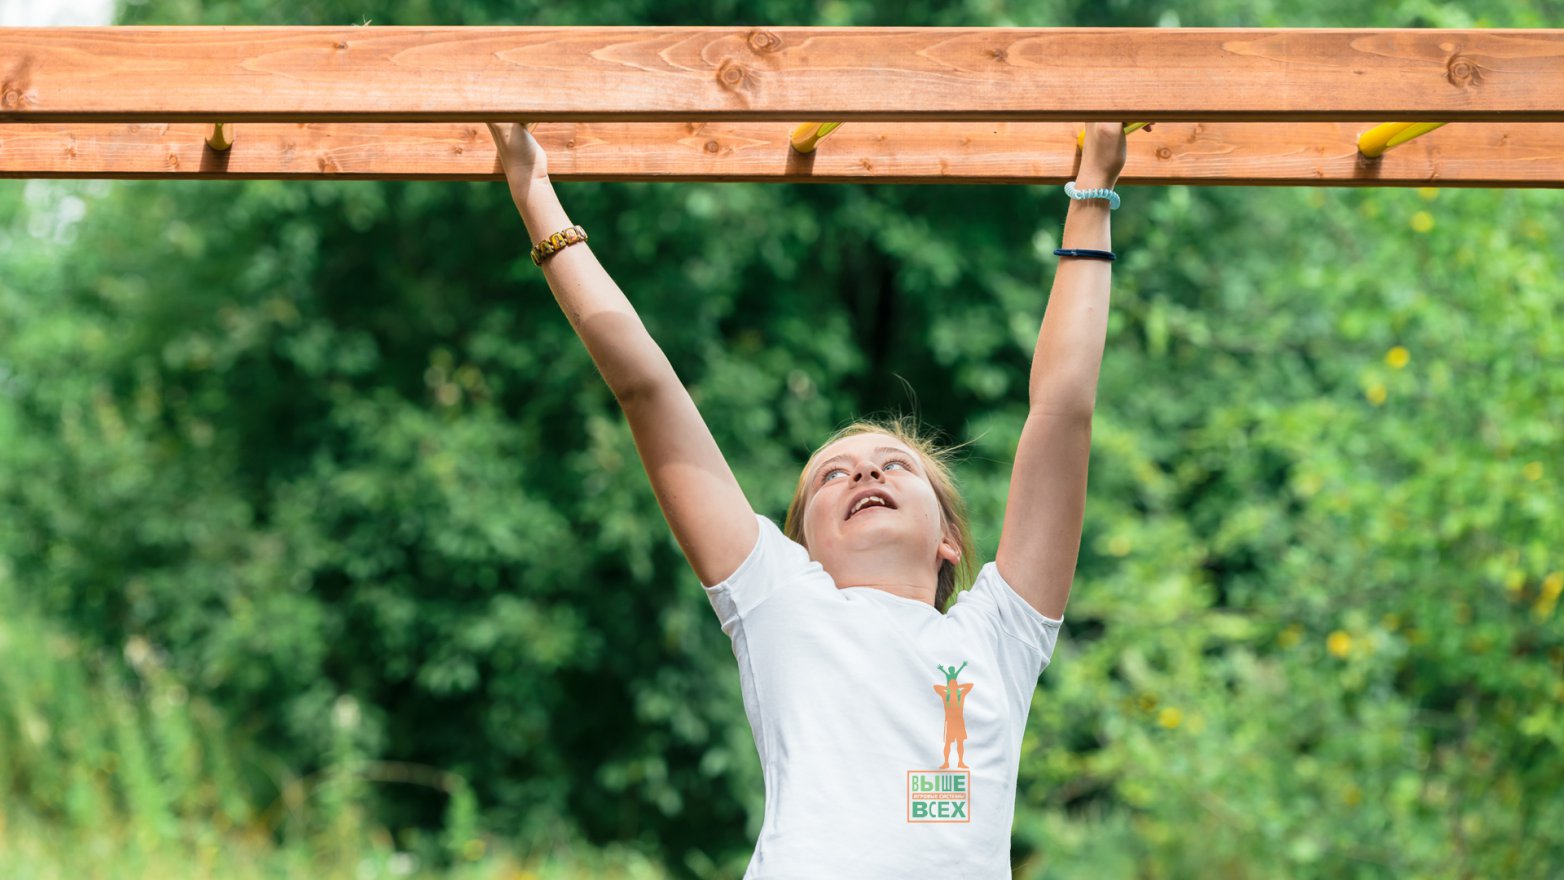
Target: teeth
<point x="866" y="501"/>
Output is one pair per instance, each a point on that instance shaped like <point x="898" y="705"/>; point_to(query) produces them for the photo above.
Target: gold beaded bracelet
<point x="556" y="243"/>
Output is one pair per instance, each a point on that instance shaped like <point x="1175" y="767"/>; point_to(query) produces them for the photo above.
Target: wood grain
<point x="705" y="74"/>
<point x="1255" y="154"/>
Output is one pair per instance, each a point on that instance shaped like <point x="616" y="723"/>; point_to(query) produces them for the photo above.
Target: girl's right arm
<point x="699" y="496"/>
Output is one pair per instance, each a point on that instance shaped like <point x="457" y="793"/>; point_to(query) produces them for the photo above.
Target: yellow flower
<point x="1352" y="795"/>
<point x="1552" y="585"/>
<point x="1170" y="717"/>
<point x="1339" y="643"/>
<point x="1429" y="193"/>
<point x="1119" y="545"/>
<point x="1375" y="394"/>
<point x="1532" y="470"/>
<point x="1397" y="357"/>
<point x="1422" y="221"/>
<point x="1289" y="636"/>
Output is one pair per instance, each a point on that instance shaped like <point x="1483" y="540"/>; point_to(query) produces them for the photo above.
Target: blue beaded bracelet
<point x="1110" y="256"/>
<point x="1078" y="194"/>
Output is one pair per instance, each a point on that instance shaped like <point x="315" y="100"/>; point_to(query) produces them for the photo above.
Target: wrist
<point x="524" y="187"/>
<point x="1095" y="180"/>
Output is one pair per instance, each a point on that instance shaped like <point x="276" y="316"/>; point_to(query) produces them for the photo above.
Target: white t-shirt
<point x="850" y="700"/>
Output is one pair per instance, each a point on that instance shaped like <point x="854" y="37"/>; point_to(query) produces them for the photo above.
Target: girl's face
<point x="909" y="521"/>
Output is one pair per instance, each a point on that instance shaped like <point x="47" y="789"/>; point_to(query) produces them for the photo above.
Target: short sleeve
<point x="1017" y="619"/>
<point x="775" y="560"/>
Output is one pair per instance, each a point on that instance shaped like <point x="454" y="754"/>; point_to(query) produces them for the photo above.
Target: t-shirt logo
<point x="955" y="696"/>
<point x="945" y="795"/>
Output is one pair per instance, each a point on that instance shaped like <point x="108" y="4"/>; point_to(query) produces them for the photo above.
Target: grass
<point x="111" y="768"/>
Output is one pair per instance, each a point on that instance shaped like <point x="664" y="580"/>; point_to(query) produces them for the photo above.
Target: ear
<point x="948" y="551"/>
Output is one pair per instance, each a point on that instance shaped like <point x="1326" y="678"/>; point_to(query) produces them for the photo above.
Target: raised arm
<point x="1041" y="538"/>
<point x="699" y="496"/>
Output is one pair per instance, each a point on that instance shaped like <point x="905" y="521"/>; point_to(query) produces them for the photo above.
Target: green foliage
<point x="1325" y="562"/>
<point x="113" y="768"/>
<point x="316" y="519"/>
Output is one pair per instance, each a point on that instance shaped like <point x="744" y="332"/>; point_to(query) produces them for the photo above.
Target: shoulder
<point x="775" y="565"/>
<point x="991" y="597"/>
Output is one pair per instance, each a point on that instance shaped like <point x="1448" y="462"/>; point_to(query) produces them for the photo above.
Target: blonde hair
<point x="936" y="463"/>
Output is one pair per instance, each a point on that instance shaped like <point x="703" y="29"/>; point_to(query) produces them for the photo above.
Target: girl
<point x="838" y="618"/>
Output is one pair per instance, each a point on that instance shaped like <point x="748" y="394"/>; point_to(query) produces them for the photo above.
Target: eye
<point x="826" y="477"/>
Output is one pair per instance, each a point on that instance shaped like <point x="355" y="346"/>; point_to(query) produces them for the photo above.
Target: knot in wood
<point x="342" y="44"/>
<point x="712" y="147"/>
<point x="730" y="75"/>
<point x="1164" y="153"/>
<point x="1463" y="72"/>
<point x="765" y="41"/>
<point x="11" y="99"/>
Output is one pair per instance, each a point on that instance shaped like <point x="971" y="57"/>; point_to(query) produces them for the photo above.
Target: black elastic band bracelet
<point x="1110" y="256"/>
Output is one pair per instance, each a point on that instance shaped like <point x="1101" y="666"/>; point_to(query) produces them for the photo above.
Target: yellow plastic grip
<point x="807" y="135"/>
<point x="220" y="135"/>
<point x="1374" y="142"/>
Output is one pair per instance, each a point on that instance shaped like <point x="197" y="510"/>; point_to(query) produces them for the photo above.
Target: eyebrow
<point x="835" y="458"/>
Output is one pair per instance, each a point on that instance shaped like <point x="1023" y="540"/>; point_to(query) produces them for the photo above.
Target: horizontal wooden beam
<point x="1257" y="154"/>
<point x="706" y="74"/>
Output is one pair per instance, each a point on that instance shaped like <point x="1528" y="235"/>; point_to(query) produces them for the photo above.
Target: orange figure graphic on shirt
<point x="954" y="697"/>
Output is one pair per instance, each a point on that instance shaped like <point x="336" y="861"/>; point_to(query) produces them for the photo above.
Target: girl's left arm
<point x="1041" y="537"/>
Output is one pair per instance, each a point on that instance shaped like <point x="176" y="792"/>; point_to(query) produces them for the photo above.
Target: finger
<point x="529" y="126"/>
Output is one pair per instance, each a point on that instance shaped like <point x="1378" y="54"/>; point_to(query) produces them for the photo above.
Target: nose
<point x="869" y="469"/>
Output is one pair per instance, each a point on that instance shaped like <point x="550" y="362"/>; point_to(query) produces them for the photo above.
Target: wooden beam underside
<point x="1254" y="154"/>
<point x="751" y="74"/>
